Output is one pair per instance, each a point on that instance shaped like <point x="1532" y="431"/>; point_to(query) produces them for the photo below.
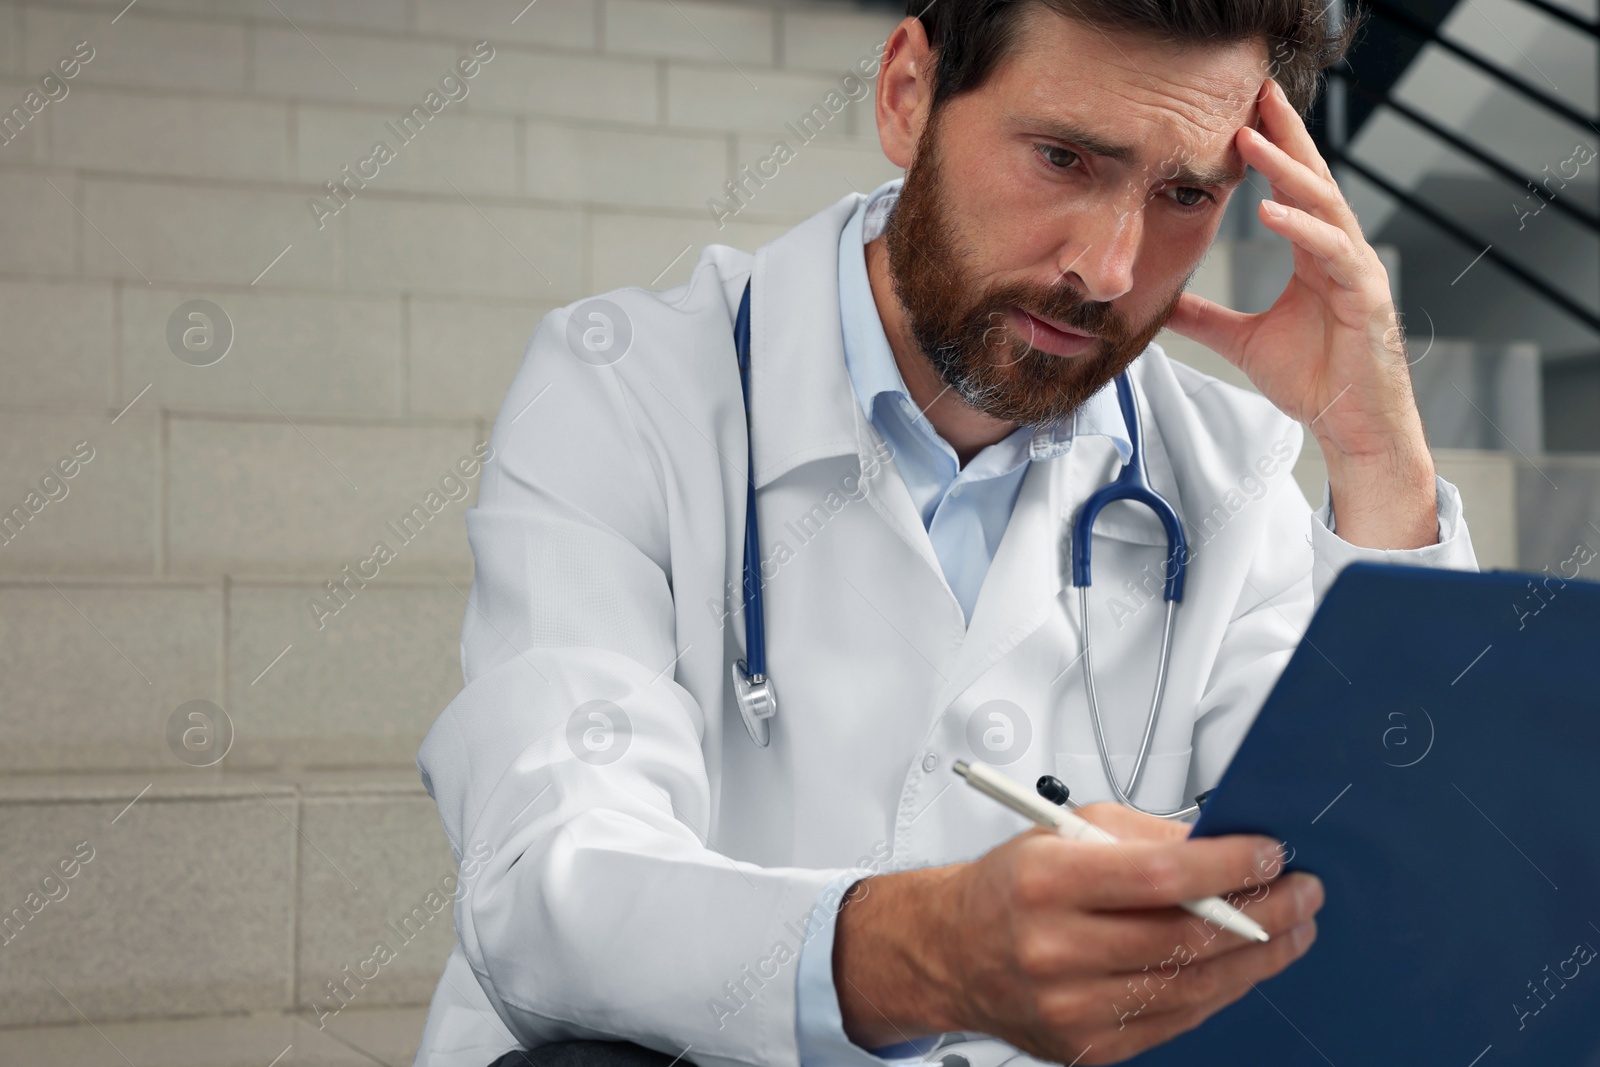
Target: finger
<point x="1216" y="981"/>
<point x="1292" y="179"/>
<point x="1143" y="1010"/>
<point x="1153" y="938"/>
<point x="1329" y="243"/>
<point x="1162" y="940"/>
<point x="1152" y="874"/>
<point x="1204" y="985"/>
<point x="1283" y="126"/>
<point x="1121" y="821"/>
<point x="1221" y="329"/>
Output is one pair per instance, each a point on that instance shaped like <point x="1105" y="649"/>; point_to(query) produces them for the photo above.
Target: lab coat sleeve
<point x="819" y="1024"/>
<point x="1333" y="553"/>
<point x="1290" y="571"/>
<point x="570" y="767"/>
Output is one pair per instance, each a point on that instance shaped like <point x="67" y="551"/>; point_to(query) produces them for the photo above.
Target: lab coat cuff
<point x="819" y="1025"/>
<point x="1333" y="553"/>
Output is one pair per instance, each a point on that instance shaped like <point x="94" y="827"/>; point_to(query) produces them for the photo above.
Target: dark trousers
<point x="585" y="1054"/>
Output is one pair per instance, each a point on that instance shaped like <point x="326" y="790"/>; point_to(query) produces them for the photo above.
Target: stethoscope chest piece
<point x="757" y="701"/>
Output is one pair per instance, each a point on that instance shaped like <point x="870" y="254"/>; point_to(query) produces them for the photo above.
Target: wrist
<point x="891" y="969"/>
<point x="1384" y="499"/>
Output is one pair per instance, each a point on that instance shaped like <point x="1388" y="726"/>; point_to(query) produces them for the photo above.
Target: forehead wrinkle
<point x="1224" y="174"/>
<point x="1208" y="108"/>
<point x="1206" y="101"/>
<point x="1168" y="71"/>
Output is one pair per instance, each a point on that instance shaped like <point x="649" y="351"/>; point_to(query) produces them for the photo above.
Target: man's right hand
<point x="1072" y="951"/>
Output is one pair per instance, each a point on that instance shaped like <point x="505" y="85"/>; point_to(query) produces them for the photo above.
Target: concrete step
<point x="239" y="494"/>
<point x="97" y="668"/>
<point x="358" y="1038"/>
<point x="129" y="897"/>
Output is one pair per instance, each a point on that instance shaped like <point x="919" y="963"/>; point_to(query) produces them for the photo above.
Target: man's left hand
<point x="1329" y="352"/>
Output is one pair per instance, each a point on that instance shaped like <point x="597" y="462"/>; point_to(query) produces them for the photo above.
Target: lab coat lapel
<point x="803" y="406"/>
<point x="1029" y="571"/>
<point x="890" y="498"/>
<point x="800" y="395"/>
<point x="1022" y="583"/>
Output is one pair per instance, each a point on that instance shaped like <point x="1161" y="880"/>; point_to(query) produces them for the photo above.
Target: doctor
<point x="931" y="401"/>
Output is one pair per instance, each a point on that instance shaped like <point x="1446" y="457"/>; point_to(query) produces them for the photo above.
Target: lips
<point x="1061" y="326"/>
<point x="1047" y="336"/>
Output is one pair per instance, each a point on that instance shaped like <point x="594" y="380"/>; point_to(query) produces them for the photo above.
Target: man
<point x="930" y="404"/>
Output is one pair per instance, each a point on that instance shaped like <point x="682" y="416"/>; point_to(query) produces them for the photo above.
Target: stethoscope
<point x="1132" y="484"/>
<point x="753" y="689"/>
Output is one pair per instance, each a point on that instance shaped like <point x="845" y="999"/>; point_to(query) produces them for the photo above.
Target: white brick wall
<point x="368" y="354"/>
<point x="373" y="349"/>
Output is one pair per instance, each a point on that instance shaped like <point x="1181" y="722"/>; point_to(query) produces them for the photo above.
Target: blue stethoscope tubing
<point x="1132" y="484"/>
<point x="753" y="689"/>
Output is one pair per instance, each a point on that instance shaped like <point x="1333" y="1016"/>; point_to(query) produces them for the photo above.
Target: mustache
<point x="1064" y="306"/>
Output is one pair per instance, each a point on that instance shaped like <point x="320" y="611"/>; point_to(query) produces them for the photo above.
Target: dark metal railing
<point x="1415" y="26"/>
<point x="1561" y="14"/>
<point x="1565" y="205"/>
<point x="1332" y="143"/>
<point x="1466" y="237"/>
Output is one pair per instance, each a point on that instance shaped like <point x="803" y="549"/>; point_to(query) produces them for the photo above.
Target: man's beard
<point x="962" y="331"/>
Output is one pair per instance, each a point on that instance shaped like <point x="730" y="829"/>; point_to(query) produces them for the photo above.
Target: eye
<point x="1200" y="197"/>
<point x="1054" y="154"/>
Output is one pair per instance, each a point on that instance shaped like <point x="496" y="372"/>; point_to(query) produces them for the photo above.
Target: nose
<point x="1101" y="262"/>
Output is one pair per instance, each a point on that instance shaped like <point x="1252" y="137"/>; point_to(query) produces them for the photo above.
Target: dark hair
<point x="970" y="38"/>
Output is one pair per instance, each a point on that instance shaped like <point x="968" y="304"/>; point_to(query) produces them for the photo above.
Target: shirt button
<point x="956" y="490"/>
<point x="929" y="762"/>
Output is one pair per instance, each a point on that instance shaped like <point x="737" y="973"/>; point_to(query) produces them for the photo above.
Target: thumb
<point x="1220" y="329"/>
<point x="1119" y="821"/>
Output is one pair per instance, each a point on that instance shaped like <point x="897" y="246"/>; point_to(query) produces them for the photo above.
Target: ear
<point x="905" y="91"/>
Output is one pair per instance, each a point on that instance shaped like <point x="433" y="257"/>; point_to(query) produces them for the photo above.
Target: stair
<point x="213" y="893"/>
<point x="358" y="1038"/>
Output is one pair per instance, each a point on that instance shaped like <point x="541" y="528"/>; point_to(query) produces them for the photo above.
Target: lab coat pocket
<point x="1160" y="783"/>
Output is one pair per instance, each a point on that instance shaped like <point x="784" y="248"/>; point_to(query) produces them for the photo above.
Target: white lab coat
<point x="625" y="899"/>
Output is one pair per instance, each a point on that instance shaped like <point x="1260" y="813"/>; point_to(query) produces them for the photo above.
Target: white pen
<point x="990" y="782"/>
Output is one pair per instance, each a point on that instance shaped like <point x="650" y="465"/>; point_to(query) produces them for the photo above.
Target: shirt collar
<point x="871" y="364"/>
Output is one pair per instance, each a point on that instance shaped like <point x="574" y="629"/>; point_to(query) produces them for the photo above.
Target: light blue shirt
<point x="965" y="511"/>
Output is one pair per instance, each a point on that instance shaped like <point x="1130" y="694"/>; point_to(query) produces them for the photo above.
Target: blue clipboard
<point x="1432" y="753"/>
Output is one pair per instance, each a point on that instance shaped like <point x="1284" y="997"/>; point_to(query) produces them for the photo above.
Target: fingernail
<point x="1274" y="208"/>
<point x="1308" y="894"/>
<point x="1300" y="936"/>
<point x="1268" y="853"/>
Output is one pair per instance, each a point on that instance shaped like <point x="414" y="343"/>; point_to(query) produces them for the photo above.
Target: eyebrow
<point x="1094" y="144"/>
